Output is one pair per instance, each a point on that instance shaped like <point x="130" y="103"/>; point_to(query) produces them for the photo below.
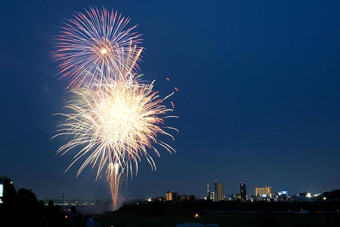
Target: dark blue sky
<point x="258" y="102"/>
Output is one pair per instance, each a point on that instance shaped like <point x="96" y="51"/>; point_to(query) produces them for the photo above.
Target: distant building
<point x="263" y="193"/>
<point x="282" y="196"/>
<point x="161" y="199"/>
<point x="187" y="197"/>
<point x="168" y="196"/>
<point x="211" y="196"/>
<point x="171" y="196"/>
<point x="243" y="191"/>
<point x="218" y="191"/>
<point x="233" y="197"/>
<point x="307" y="197"/>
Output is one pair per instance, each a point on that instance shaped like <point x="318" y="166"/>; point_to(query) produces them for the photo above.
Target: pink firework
<point x="95" y="44"/>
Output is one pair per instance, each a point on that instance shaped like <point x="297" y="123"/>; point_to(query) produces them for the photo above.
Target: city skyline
<point x="217" y="194"/>
<point x="263" y="193"/>
<point x="258" y="96"/>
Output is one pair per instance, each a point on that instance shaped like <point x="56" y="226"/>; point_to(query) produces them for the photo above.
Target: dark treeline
<point x="23" y="209"/>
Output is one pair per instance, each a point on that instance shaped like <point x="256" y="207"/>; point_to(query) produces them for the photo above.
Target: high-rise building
<point x="218" y="191"/>
<point x="210" y="195"/>
<point x="263" y="193"/>
<point x="171" y="196"/>
<point x="243" y="191"/>
<point x="168" y="196"/>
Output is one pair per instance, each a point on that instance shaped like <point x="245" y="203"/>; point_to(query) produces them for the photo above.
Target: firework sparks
<point x="114" y="125"/>
<point x="97" y="41"/>
<point x="114" y="119"/>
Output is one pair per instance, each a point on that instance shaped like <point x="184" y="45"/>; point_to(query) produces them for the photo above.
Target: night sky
<point x="258" y="96"/>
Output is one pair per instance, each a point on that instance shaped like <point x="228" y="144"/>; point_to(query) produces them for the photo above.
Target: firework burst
<point x="113" y="119"/>
<point x="97" y="41"/>
<point x="113" y="125"/>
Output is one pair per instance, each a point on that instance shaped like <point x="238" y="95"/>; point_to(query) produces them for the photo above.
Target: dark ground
<point x="226" y="219"/>
<point x="285" y="214"/>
